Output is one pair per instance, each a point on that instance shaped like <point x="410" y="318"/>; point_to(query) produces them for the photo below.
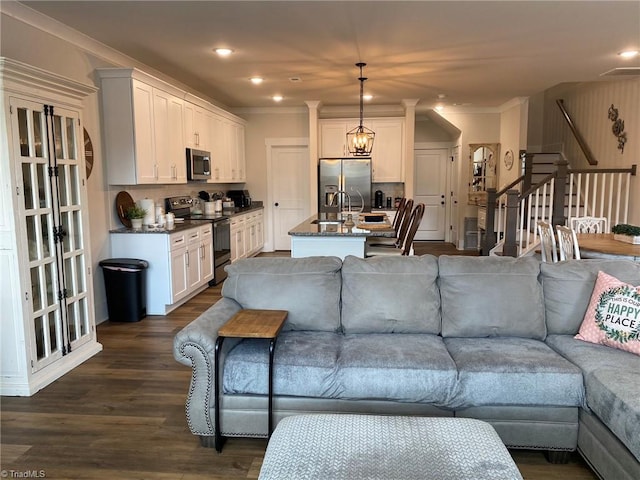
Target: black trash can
<point x="124" y="282"/>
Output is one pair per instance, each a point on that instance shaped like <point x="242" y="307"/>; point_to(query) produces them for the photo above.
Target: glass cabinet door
<point x="53" y="223"/>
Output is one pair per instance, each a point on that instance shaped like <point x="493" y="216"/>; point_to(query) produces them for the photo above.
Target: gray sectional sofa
<point x="483" y="337"/>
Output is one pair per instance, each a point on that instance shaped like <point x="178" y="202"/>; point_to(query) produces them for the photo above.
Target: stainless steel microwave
<point x="198" y="164"/>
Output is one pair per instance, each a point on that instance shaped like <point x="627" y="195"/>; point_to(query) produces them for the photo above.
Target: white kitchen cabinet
<point x="228" y="151"/>
<point x="194" y="251"/>
<point x="247" y="234"/>
<point x="143" y="124"/>
<point x="46" y="299"/>
<point x="180" y="263"/>
<point x="206" y="254"/>
<point x="197" y="127"/>
<point x="179" y="268"/>
<point x="236" y="152"/>
<point x="333" y="137"/>
<point x="387" y="156"/>
<point x="169" y="152"/>
<point x="238" y="237"/>
<point x="219" y="151"/>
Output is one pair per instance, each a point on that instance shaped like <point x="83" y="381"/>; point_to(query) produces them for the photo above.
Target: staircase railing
<point x="555" y="199"/>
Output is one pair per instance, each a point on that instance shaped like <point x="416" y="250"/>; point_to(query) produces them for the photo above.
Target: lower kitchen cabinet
<point x="247" y="234"/>
<point x="180" y="264"/>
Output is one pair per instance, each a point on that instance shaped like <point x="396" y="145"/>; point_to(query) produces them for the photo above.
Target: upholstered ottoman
<point x="336" y="447"/>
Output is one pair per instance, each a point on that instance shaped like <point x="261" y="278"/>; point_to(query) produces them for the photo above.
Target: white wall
<point x="476" y="127"/>
<point x="513" y="136"/>
<point x="588" y="105"/>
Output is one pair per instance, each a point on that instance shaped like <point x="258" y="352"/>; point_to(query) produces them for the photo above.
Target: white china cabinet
<point x="47" y="320"/>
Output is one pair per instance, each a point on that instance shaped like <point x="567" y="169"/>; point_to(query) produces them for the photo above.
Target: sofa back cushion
<point x="568" y="287"/>
<point x="390" y="295"/>
<point x="308" y="288"/>
<point x="491" y="296"/>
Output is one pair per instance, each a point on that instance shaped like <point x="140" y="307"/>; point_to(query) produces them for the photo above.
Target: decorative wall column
<point x="409" y="145"/>
<point x="314" y="106"/>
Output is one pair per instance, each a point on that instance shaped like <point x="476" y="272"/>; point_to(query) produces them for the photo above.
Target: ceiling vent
<point x="623" y="71"/>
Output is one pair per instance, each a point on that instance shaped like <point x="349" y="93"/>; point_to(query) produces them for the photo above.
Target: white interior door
<point x="288" y="191"/>
<point x="453" y="196"/>
<point x="430" y="189"/>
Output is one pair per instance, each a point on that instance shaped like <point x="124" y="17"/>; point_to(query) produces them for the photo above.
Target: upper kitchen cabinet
<point x="333" y="137"/>
<point x="198" y="123"/>
<point x="227" y="150"/>
<point x="143" y="121"/>
<point x="387" y="156"/>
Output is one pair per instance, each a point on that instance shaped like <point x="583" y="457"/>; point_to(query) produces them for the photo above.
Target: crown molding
<point x="270" y="110"/>
<point x="20" y="77"/>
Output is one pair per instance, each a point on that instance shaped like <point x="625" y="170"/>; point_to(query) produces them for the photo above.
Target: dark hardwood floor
<point x="121" y="415"/>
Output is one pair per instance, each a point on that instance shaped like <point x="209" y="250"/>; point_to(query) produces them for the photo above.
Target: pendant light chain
<point x="360" y="139"/>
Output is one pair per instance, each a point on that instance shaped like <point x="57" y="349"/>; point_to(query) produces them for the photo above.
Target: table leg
<point x="272" y="347"/>
<point x="219" y="439"/>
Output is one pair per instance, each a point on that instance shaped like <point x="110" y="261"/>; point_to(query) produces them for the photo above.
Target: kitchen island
<point x="326" y="234"/>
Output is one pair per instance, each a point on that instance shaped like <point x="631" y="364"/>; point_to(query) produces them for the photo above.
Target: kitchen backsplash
<point x="393" y="190"/>
<point x="159" y="192"/>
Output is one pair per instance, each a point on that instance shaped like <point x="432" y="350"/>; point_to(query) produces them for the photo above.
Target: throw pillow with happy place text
<point x="613" y="315"/>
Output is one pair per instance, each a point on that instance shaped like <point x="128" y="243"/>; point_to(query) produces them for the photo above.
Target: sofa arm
<point x="194" y="346"/>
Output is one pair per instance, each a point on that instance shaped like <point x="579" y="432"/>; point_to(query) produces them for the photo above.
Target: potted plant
<point x="626" y="233"/>
<point x="136" y="213"/>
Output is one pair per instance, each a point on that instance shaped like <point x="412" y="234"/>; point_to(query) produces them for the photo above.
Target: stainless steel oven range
<point x="181" y="207"/>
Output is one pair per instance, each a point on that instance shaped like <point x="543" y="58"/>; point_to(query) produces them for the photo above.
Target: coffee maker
<point x="378" y="199"/>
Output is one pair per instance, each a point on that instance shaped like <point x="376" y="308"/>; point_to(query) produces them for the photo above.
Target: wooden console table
<point x="248" y="324"/>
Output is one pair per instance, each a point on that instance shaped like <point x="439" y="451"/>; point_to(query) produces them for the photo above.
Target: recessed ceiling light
<point x="224" y="52"/>
<point x="277" y="98"/>
<point x="256" y="80"/>
<point x="629" y="53"/>
<point x="367" y="97"/>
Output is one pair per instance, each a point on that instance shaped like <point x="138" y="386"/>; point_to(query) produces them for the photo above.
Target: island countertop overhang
<point x="310" y="228"/>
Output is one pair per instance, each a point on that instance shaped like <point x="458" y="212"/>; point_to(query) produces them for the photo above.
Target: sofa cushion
<point x="575" y="279"/>
<point x="491" y="297"/>
<point x="308" y="288"/>
<point x="304" y="365"/>
<point x="613" y="315"/>
<point x="401" y="367"/>
<point x="513" y="371"/>
<point x="390" y="295"/>
<point x="614" y="396"/>
<point x="590" y="357"/>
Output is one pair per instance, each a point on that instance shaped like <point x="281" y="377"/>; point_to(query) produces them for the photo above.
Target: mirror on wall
<point x="483" y="164"/>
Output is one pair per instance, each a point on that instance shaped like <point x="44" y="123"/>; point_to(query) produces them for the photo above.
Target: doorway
<point x="431" y="189"/>
<point x="288" y="192"/>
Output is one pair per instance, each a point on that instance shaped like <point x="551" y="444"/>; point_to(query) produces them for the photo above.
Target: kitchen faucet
<point x="335" y="198"/>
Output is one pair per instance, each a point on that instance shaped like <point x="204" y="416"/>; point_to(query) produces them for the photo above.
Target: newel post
<point x="510" y="247"/>
<point x="559" y="191"/>
<point x="528" y="171"/>
<point x="489" y="230"/>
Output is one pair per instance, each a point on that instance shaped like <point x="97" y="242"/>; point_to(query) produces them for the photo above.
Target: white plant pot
<point x="627" y="238"/>
<point x="136" y="223"/>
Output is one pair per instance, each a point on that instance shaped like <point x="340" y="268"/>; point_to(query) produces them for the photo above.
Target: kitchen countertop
<point x="194" y="222"/>
<point x="309" y="229"/>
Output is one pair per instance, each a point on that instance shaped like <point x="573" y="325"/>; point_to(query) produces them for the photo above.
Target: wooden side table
<point x="248" y="324"/>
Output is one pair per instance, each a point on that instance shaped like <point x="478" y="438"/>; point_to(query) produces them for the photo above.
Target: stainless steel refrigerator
<point x="338" y="175"/>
